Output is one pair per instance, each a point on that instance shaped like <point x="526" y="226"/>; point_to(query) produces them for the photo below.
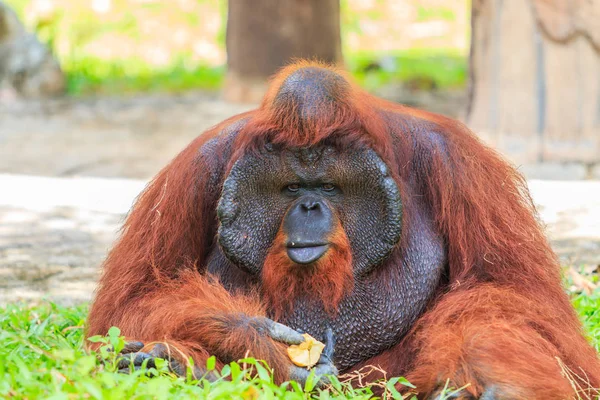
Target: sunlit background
<point x="96" y="96"/>
<point x="133" y="46"/>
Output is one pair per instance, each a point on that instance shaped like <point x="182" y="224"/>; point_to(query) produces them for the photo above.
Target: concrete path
<point x="107" y="137"/>
<point x="70" y="170"/>
<point x="55" y="232"/>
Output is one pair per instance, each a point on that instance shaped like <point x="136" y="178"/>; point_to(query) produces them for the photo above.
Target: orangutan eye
<point x="328" y="187"/>
<point x="294" y="187"/>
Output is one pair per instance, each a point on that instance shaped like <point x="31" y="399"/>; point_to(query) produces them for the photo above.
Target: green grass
<point x="588" y="308"/>
<point x="42" y="356"/>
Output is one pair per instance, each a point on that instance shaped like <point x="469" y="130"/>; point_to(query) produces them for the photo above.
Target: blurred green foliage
<point x="426" y="14"/>
<point x="419" y="69"/>
<point x="588" y="307"/>
<point x="93" y="75"/>
<point x="68" y="33"/>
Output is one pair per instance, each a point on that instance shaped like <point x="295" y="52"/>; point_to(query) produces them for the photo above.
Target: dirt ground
<point x="70" y="170"/>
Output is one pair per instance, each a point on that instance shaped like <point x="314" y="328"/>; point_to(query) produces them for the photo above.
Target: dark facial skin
<point x="256" y="197"/>
<point x="301" y="190"/>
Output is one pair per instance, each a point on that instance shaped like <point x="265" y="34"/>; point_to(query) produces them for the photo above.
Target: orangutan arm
<point x="199" y="318"/>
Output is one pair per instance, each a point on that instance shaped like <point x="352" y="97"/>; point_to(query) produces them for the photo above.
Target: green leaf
<point x="311" y="381"/>
<point x="160" y="363"/>
<point x="391" y="388"/>
<point x="262" y="372"/>
<point x="404" y="382"/>
<point x="97" y="339"/>
<point x="114" y="332"/>
<point x="236" y="372"/>
<point x="211" y="362"/>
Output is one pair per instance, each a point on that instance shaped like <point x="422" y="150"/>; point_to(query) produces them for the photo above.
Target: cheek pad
<point x="249" y="211"/>
<point x="371" y="209"/>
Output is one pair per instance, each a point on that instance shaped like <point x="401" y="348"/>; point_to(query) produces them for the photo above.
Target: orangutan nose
<point x="307" y="225"/>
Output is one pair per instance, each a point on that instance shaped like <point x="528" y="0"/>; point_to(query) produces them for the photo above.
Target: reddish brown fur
<point x="502" y="319"/>
<point x="329" y="279"/>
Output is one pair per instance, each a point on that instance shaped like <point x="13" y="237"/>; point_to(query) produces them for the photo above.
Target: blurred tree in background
<point x="535" y="78"/>
<point x="133" y="46"/>
<point x="264" y="35"/>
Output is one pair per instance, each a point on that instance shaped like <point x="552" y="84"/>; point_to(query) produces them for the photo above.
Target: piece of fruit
<point x="307" y="353"/>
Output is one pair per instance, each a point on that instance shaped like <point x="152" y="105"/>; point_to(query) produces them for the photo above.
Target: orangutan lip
<point x="306" y="254"/>
<point x="301" y="245"/>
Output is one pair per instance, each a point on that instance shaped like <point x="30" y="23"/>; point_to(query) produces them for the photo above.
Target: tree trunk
<point x="535" y="78"/>
<point x="264" y="35"/>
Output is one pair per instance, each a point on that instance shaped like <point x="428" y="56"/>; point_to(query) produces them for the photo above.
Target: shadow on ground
<point x="70" y="171"/>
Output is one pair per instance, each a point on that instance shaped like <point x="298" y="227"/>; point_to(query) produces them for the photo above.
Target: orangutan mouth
<point x="304" y="253"/>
